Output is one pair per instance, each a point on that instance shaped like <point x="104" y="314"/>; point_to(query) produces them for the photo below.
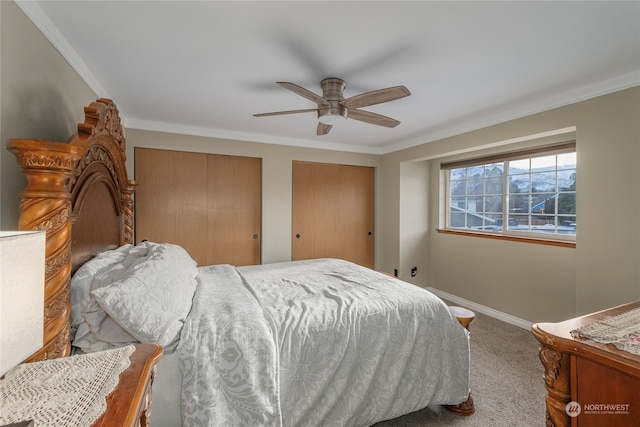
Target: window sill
<point x="537" y="241"/>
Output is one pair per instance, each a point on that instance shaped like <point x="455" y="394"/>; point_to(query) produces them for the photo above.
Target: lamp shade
<point x="22" y="264"/>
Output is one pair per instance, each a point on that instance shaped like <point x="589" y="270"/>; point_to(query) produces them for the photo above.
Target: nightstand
<point x="130" y="403"/>
<point x="40" y="390"/>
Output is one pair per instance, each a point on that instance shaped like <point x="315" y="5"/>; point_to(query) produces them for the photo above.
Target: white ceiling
<point x="206" y="67"/>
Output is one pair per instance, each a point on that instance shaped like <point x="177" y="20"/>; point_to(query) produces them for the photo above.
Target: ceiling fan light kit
<point x="334" y="109"/>
<point x="332" y="116"/>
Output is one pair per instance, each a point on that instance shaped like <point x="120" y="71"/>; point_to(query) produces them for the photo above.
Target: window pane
<point x="543" y="182"/>
<point x="520" y="183"/>
<point x="475" y="187"/>
<point x="493" y="185"/>
<point x="493" y="204"/>
<point x="474" y="204"/>
<point x="458" y="174"/>
<point x="457" y="219"/>
<point x="475" y="172"/>
<point x="494" y="169"/>
<point x="567" y="180"/>
<point x="543" y="163"/>
<point x="567" y="161"/>
<point x="543" y="223"/>
<point x="567" y="204"/>
<point x="519" y="203"/>
<point x="458" y="188"/>
<point x="519" y="166"/>
<point x="520" y="222"/>
<point x="567" y="224"/>
<point x="513" y="224"/>
<point x="458" y="203"/>
<point x="543" y="203"/>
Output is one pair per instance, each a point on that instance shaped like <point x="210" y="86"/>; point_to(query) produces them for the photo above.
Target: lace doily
<point x="622" y="330"/>
<point x="68" y="392"/>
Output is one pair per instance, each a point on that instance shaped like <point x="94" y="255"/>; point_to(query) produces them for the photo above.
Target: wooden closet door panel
<point x="234" y="210"/>
<point x="326" y="211"/>
<point x="171" y="198"/>
<point x="356" y="207"/>
<point x="153" y="217"/>
<point x="249" y="210"/>
<point x="332" y="211"/>
<point x="315" y="213"/>
<point x="303" y="210"/>
<point x="189" y="197"/>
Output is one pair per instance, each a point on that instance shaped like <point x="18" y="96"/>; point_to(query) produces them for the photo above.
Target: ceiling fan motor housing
<point x="332" y="91"/>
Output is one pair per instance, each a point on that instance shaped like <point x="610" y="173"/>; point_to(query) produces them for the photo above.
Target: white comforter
<point x="319" y="342"/>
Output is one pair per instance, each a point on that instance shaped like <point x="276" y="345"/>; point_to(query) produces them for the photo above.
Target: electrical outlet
<point x="414" y="271"/>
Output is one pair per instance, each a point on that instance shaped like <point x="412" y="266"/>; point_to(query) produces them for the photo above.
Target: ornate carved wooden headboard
<point x="79" y="193"/>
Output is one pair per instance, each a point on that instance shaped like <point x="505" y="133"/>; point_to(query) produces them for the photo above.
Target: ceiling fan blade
<point x="376" y="97"/>
<point x="323" y="129"/>
<point x="279" y="113"/>
<point x="372" y="118"/>
<point x="305" y="93"/>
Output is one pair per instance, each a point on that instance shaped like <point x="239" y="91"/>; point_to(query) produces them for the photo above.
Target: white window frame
<point x="555" y="149"/>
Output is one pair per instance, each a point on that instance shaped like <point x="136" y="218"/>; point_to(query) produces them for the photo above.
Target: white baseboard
<point x="516" y="321"/>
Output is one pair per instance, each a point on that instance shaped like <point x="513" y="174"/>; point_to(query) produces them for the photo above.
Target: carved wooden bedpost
<point x="46" y="205"/>
<point x="127" y="207"/>
<point x="59" y="177"/>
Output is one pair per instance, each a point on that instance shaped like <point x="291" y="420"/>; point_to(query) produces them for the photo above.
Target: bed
<point x="315" y="342"/>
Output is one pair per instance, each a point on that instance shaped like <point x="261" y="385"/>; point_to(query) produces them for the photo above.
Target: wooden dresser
<point x="588" y="383"/>
<point x="129" y="404"/>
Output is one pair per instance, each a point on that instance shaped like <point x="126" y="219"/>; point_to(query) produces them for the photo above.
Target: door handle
<point x="297" y="236"/>
<point x="255" y="237"/>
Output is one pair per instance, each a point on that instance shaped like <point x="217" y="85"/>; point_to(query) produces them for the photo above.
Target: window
<point x="530" y="193"/>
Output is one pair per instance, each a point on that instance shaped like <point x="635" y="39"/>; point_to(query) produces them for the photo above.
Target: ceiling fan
<point x="333" y="108"/>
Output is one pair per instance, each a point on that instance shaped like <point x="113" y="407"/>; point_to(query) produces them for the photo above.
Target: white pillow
<point x="81" y="282"/>
<point x="153" y="297"/>
<point x="100" y="271"/>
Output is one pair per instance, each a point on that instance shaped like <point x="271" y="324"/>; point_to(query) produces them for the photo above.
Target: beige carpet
<point x="506" y="381"/>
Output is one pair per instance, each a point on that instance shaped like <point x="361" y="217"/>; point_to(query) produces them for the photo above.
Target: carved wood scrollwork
<point x="46" y="206"/>
<point x="52" y="170"/>
<point x="102" y="136"/>
<point x="557" y="381"/>
<point x="127" y="212"/>
<point x="551" y="361"/>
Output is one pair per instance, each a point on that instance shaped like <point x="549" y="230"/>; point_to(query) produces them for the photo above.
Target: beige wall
<point x="534" y="282"/>
<point x="41" y="97"/>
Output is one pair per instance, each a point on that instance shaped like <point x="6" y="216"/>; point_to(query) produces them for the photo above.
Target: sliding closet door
<point x="171" y="198"/>
<point x="315" y="211"/>
<point x="209" y="204"/>
<point x="356" y="209"/>
<point x="333" y="212"/>
<point x="234" y="214"/>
